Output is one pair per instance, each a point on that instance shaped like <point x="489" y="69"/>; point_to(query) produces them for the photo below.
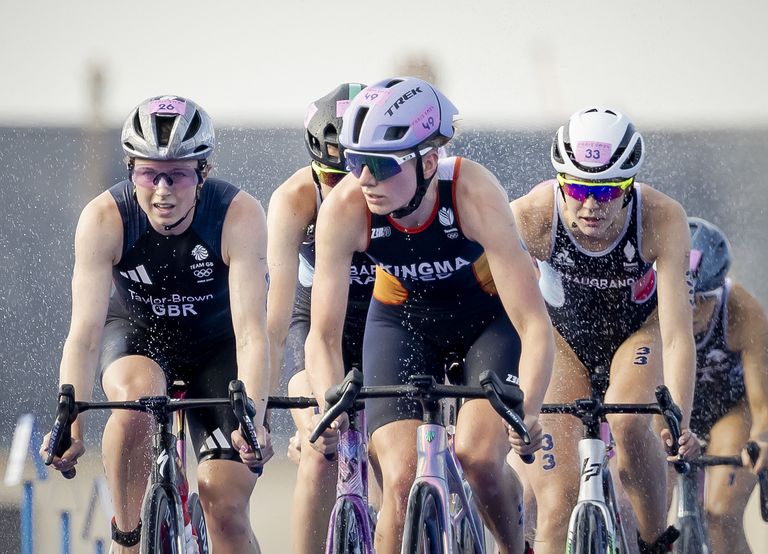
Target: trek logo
<point x="430" y="436"/>
<point x="381" y="232"/>
<point x="400" y="101"/>
<point x="447" y="219"/>
<point x="200" y="253"/>
<point x="139" y="275"/>
<point x="589" y="470"/>
<point x="630" y="252"/>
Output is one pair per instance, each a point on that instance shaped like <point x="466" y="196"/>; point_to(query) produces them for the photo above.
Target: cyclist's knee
<point x="633" y="435"/>
<point x="131" y="378"/>
<point x="226" y="510"/>
<point x="554" y="508"/>
<point x="480" y="466"/>
<point x="313" y="465"/>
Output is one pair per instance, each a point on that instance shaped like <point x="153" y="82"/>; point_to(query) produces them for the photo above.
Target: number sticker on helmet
<point x="168" y="106"/>
<point x="341" y="107"/>
<point x="593" y="152"/>
<point x="424" y="123"/>
<point x="374" y="96"/>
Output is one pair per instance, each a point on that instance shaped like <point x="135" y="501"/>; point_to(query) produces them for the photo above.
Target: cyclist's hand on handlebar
<point x="328" y="443"/>
<point x="688" y="447"/>
<point x="534" y="430"/>
<point x="294" y="448"/>
<point x="762" y="459"/>
<point x="247" y="455"/>
<point x="68" y="460"/>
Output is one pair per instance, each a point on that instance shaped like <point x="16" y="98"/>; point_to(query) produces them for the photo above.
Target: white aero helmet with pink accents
<point x="397" y="114"/>
<point x="598" y="143"/>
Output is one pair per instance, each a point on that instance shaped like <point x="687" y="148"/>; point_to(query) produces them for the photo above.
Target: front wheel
<point x="198" y="522"/>
<point x="692" y="539"/>
<point x="160" y="529"/>
<point x="350" y="533"/>
<point x="590" y="533"/>
<point x="424" y="531"/>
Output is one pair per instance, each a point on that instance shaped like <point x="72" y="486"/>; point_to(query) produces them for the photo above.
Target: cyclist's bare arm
<point x="666" y="240"/>
<point x="244" y="250"/>
<point x="291" y="209"/>
<point x="533" y="216"/>
<point x="341" y="230"/>
<point x="98" y="244"/>
<point x="487" y="219"/>
<point x="748" y="334"/>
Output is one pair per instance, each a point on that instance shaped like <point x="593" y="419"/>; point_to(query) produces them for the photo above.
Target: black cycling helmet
<point x="710" y="255"/>
<point x="322" y="124"/>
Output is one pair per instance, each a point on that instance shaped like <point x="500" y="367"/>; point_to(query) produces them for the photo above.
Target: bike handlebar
<point x="507" y="400"/>
<point x="673" y="415"/>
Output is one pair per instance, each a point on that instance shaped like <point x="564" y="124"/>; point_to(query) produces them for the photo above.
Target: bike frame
<point x="352" y="481"/>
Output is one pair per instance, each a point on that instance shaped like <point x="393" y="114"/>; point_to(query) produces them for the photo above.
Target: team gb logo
<point x="200" y="253"/>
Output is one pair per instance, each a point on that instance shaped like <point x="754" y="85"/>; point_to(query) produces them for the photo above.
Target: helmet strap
<point x="422" y="185"/>
<point x="192" y="207"/>
<point x="628" y="196"/>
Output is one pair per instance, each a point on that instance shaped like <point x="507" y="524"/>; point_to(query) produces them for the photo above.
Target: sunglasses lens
<point x="382" y="167"/>
<point x="330" y="179"/>
<point x="600" y="193"/>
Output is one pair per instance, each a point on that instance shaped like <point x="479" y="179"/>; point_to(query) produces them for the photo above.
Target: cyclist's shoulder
<point x="657" y="206"/>
<point x="664" y="222"/>
<point x="101" y="212"/>
<point x="533" y="213"/>
<point x="747" y="319"/>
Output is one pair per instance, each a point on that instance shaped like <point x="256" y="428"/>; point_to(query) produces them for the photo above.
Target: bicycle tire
<point x="424" y="531"/>
<point x="590" y="532"/>
<point x="198" y="522"/>
<point x="348" y="531"/>
<point x="463" y="540"/>
<point x="159" y="525"/>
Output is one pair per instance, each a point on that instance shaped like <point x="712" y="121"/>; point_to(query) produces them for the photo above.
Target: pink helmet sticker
<point x="168" y="106"/>
<point x="311" y="111"/>
<point x="371" y="96"/>
<point x="425" y="123"/>
<point x="590" y="152"/>
<point x="695" y="259"/>
<point x="341" y="107"/>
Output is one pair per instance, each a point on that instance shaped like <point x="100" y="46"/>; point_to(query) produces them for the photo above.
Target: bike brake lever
<point x="512" y="396"/>
<point x="754" y="452"/>
<point x="244" y="412"/>
<point x="339" y="399"/>
<point x="61" y="433"/>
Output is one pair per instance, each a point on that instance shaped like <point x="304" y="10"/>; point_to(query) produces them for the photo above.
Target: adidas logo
<point x="139" y="275"/>
<point x="215" y="441"/>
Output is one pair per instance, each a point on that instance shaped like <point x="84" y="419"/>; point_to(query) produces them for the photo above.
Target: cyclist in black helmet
<point x="730" y="405"/>
<point x="186" y="255"/>
<point x="291" y="221"/>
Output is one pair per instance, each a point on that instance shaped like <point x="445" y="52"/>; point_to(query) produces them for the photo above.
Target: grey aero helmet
<point x="598" y="143"/>
<point x="710" y="255"/>
<point x="397" y="114"/>
<point x="322" y="124"/>
<point x="168" y="128"/>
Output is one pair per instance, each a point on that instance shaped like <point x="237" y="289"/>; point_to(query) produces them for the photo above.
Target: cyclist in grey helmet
<point x="186" y="255"/>
<point x="451" y="276"/>
<point x="730" y="405"/>
<point x="291" y="221"/>
<point x="613" y="259"/>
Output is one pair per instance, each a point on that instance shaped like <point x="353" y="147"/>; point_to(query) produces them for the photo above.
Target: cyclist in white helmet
<point x="613" y="257"/>
<point x="730" y="406"/>
<point x="186" y="255"/>
<point x="452" y="276"/>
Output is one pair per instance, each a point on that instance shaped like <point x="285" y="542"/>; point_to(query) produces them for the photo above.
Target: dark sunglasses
<point x="382" y="166"/>
<point x="325" y="175"/>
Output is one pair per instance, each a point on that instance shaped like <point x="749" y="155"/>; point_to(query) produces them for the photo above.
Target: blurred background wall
<point x="691" y="74"/>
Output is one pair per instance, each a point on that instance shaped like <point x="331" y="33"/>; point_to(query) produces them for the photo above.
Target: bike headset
<point x="322" y="125"/>
<point x="710" y="255"/>
<point x="169" y="128"/>
<point x="396" y="114"/>
<point x="611" y="130"/>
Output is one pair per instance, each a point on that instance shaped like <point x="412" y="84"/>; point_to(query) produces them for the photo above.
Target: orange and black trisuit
<point x="433" y="296"/>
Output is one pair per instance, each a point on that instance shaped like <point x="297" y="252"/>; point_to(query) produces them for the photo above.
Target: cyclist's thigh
<point x="727" y="487"/>
<point x="210" y="428"/>
<point x="554" y="475"/>
<point x="395" y="447"/>
<point x="636" y="367"/>
<point x="127" y="370"/>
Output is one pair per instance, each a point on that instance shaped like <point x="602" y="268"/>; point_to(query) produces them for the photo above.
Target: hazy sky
<point x="503" y="62"/>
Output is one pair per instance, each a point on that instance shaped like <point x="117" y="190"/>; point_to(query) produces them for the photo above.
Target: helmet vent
<point x="137" y="125"/>
<point x="194" y="127"/>
<point x="556" y="152"/>
<point x="359" y="124"/>
<point x="393" y="82"/>
<point x="634" y="157"/>
<point x="202" y="148"/>
<point x="395" y="133"/>
<point x="163" y="128"/>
